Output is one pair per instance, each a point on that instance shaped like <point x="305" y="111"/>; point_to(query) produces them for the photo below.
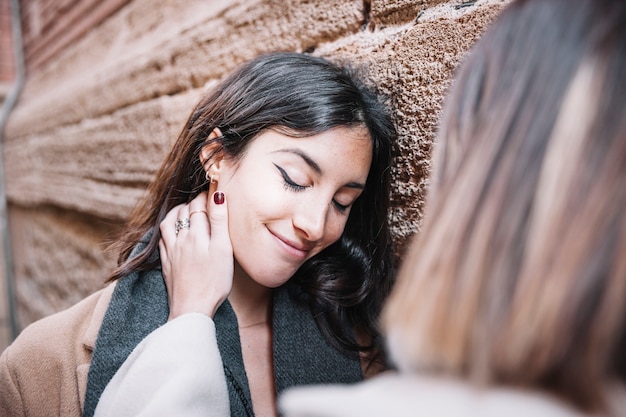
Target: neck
<point x="250" y="300"/>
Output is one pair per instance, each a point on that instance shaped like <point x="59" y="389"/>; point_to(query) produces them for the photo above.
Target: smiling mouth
<point x="295" y="249"/>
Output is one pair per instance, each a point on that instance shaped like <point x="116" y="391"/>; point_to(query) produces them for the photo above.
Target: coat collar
<point x="88" y="338"/>
<point x="91" y="332"/>
<point x="137" y="307"/>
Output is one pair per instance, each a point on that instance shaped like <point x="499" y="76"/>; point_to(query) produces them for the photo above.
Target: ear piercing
<point x="209" y="177"/>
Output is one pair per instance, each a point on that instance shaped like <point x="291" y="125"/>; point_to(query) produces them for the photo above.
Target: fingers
<point x="197" y="211"/>
<point x="197" y="261"/>
<point x="165" y="262"/>
<point x="168" y="226"/>
<point x="221" y="251"/>
<point x="198" y="214"/>
<point x="168" y="239"/>
<point x="218" y="215"/>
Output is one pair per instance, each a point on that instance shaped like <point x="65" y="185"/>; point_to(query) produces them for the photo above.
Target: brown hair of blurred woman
<point x="518" y="275"/>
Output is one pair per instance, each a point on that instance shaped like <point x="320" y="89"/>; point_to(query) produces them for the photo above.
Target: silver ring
<point x="182" y="224"/>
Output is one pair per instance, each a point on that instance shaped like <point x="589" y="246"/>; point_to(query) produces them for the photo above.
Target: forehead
<point x="345" y="150"/>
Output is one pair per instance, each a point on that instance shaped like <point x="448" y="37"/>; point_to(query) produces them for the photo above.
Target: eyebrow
<point x="310" y="162"/>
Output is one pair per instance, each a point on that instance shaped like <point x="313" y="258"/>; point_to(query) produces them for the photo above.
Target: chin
<point x="271" y="282"/>
<point x="269" y="278"/>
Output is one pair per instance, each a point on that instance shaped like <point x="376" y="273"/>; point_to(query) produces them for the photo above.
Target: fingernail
<point x="218" y="197"/>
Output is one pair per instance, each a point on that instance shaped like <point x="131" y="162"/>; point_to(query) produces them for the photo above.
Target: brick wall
<point x="97" y="116"/>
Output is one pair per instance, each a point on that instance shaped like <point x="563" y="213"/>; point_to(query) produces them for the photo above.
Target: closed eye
<point x="289" y="183"/>
<point x="340" y="207"/>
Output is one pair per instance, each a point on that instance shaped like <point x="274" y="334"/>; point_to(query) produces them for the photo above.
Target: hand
<point x="197" y="261"/>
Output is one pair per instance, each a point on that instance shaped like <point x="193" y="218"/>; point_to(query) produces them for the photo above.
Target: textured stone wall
<point x="6" y="48"/>
<point x="94" y="123"/>
<point x="49" y="26"/>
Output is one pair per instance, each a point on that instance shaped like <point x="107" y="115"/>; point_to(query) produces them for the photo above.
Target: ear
<point x="210" y="154"/>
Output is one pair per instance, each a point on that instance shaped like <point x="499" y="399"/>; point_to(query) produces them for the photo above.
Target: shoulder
<point x="65" y="328"/>
<point x="47" y="364"/>
<point x="405" y="395"/>
<point x="51" y="344"/>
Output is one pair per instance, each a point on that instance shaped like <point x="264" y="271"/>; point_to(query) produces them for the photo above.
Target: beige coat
<point x="44" y="372"/>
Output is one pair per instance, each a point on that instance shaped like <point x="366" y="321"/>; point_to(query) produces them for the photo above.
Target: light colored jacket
<point x="397" y="395"/>
<point x="175" y="371"/>
<point x="64" y="342"/>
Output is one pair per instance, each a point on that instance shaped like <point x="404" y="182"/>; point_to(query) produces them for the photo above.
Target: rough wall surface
<point x="49" y="26"/>
<point x="6" y="48"/>
<point x="94" y="123"/>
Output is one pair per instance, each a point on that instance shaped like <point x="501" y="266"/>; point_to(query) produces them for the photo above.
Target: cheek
<point x="335" y="229"/>
<point x="255" y="189"/>
<point x="251" y="204"/>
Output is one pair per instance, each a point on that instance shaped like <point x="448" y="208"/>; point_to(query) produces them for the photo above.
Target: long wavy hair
<point x="299" y="95"/>
<point x="518" y="276"/>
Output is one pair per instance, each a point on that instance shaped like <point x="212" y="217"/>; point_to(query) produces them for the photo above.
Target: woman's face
<point x="289" y="198"/>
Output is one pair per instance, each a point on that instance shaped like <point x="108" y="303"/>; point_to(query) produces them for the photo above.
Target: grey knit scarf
<point x="139" y="305"/>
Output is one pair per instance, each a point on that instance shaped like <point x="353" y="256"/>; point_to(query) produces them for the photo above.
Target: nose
<point x="310" y="220"/>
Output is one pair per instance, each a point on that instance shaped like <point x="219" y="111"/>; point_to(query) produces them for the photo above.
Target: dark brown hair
<point x="299" y="95"/>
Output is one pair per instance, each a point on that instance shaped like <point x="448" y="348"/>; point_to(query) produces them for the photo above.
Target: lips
<point x="296" y="249"/>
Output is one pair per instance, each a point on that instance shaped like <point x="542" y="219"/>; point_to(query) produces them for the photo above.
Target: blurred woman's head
<point x="518" y="276"/>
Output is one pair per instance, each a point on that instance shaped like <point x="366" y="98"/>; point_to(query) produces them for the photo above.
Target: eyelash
<point x="340" y="207"/>
<point x="289" y="183"/>
<point x="293" y="186"/>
